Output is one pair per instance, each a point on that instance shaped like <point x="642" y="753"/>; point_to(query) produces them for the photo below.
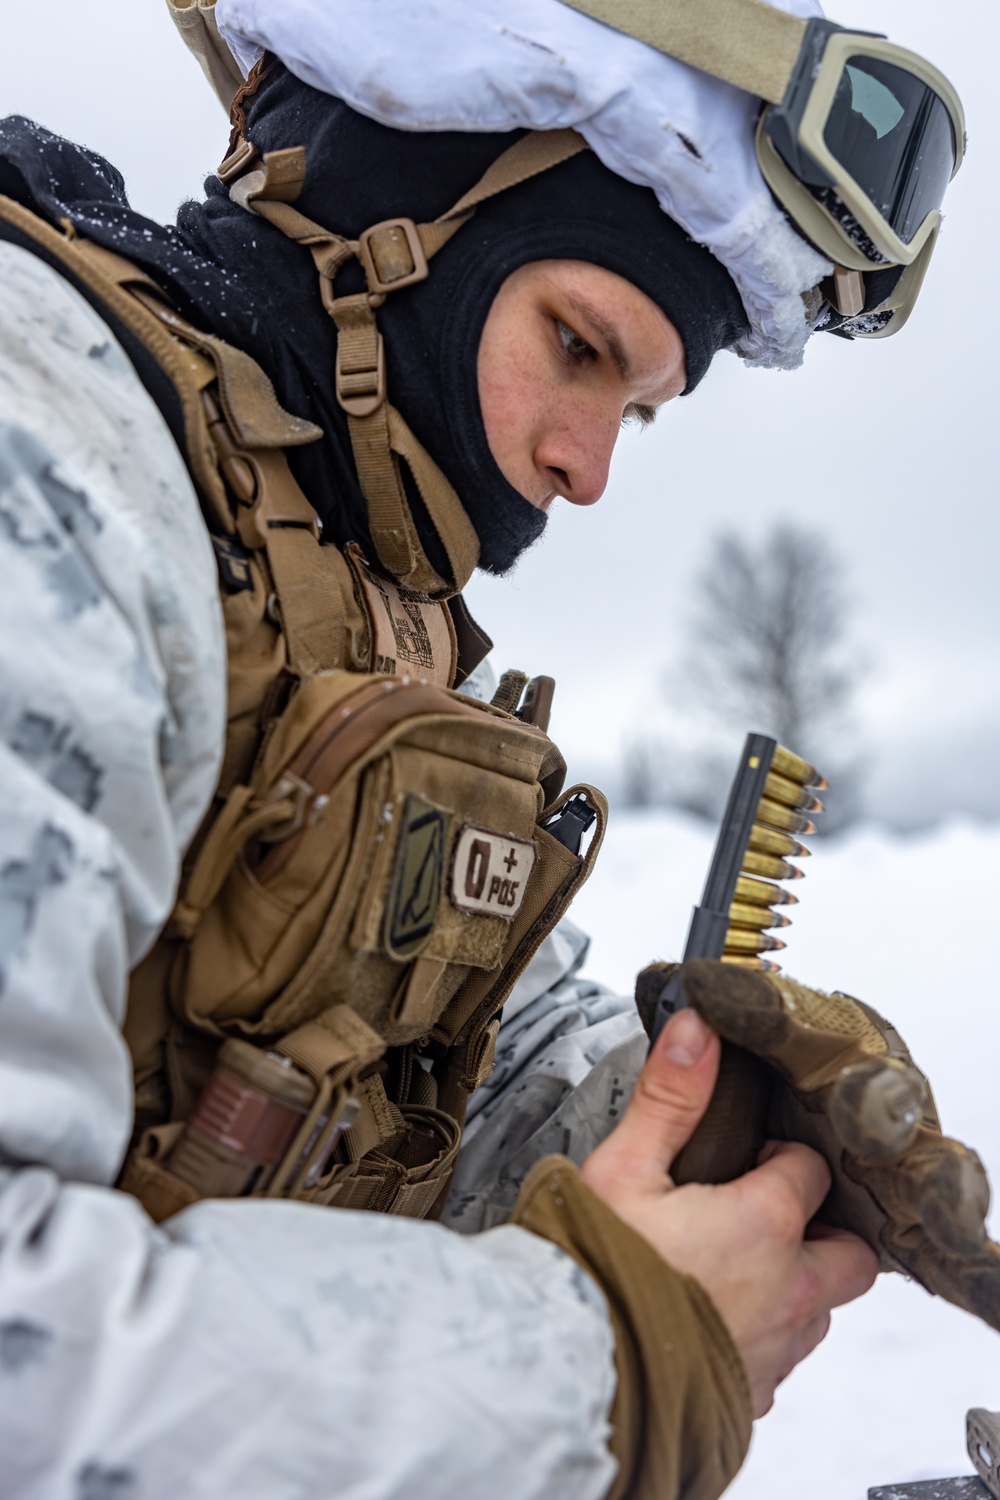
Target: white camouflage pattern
<point x="245" y="1349"/>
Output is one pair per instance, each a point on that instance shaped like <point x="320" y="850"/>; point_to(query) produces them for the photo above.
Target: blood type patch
<point x="489" y="874"/>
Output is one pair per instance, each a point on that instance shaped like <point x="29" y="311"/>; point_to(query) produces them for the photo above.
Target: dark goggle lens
<point x="894" y="136"/>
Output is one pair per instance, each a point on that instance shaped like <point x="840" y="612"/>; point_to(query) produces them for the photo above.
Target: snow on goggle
<point x="858" y="138"/>
<point x="859" y="153"/>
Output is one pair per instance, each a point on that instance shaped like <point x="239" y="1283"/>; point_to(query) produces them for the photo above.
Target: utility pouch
<point x="384" y="855"/>
<point x="361" y="903"/>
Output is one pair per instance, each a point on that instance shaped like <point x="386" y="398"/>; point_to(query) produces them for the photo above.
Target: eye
<point x="636" y="414"/>
<point x="574" y="347"/>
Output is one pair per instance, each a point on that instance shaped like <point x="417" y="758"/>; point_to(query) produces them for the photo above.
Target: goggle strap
<point x="745" y="42"/>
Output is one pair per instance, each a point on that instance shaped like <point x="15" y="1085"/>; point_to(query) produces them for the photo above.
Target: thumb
<point x="671" y="1095"/>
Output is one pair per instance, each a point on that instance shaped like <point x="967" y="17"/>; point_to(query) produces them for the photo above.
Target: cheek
<point x="510" y="393"/>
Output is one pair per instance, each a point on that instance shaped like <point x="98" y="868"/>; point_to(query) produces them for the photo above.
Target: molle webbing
<point x="749" y="44"/>
<point x="323" y="918"/>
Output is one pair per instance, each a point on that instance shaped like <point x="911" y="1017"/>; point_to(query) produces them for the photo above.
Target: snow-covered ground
<point x="908" y="925"/>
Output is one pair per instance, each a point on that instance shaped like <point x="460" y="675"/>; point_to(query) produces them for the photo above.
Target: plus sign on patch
<point x="489" y="873"/>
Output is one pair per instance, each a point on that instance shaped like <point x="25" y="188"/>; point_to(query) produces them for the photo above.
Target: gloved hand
<point x="827" y="1070"/>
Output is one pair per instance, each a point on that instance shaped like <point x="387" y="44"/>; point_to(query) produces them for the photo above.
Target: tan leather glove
<point x="827" y="1070"/>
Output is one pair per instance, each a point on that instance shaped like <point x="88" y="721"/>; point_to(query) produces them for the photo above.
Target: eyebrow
<point x="607" y="332"/>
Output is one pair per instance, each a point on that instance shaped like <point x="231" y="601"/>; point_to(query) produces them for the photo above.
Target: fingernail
<point x="685" y="1038"/>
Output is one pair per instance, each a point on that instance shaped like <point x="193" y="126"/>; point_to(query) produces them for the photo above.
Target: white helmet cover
<point x="497" y="65"/>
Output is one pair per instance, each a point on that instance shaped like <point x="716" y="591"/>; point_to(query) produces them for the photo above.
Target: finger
<point x="844" y="1267"/>
<point x="793" y="1172"/>
<point x="670" y="1097"/>
<point x="817" y="1230"/>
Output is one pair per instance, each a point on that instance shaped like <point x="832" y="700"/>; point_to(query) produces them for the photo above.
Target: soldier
<point x="269" y="876"/>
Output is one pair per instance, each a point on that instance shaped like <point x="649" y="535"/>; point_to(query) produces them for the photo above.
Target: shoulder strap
<point x="195" y="20"/>
<point x="747" y="43"/>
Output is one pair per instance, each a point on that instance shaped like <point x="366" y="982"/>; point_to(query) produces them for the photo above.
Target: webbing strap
<point x="306" y="582"/>
<point x="532" y="154"/>
<point x="379" y="435"/>
<point x="195" y="20"/>
<point x="746" y="42"/>
<point x="334" y="1045"/>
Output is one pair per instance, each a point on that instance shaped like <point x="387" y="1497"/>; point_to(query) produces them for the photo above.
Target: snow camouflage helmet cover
<point x="536" y="64"/>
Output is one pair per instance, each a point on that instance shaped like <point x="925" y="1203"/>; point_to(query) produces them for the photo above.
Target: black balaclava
<point x="236" y="275"/>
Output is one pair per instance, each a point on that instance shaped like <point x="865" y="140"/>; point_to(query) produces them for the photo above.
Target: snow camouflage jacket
<point x="112" y="737"/>
<point x="381" y="857"/>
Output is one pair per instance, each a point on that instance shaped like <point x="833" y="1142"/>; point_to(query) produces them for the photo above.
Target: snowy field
<point x="904" y="924"/>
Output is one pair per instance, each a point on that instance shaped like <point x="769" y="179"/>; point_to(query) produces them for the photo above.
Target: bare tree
<point x="767" y="637"/>
<point x="767" y="650"/>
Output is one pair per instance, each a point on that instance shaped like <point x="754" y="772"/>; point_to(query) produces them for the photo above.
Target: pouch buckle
<point x="291" y="788"/>
<point x="406" y="227"/>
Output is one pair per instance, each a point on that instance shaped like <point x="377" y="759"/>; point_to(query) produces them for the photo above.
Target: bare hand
<point x="773" y="1275"/>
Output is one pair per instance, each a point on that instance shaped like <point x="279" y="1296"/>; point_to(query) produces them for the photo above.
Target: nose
<point x="576" y="460"/>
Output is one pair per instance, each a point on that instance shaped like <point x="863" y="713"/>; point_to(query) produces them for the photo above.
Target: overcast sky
<point x="889" y="447"/>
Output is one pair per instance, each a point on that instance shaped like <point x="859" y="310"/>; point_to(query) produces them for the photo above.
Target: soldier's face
<point x="568" y="353"/>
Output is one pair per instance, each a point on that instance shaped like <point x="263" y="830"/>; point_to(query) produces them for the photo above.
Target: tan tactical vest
<point x="382" y="857"/>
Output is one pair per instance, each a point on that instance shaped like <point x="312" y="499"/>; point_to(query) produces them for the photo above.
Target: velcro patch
<point x="489" y="874"/>
<point x="416" y="878"/>
<point x="235" y="570"/>
<point x="411" y="634"/>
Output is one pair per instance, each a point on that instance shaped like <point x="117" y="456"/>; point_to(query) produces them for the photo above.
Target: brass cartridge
<point x="744" y="940"/>
<point x="758" y="917"/>
<point x="796" y="769"/>
<point x="763" y="892"/>
<point x="768" y="866"/>
<point x="770" y="841"/>
<point x="783" y="817"/>
<point x="791" y="794"/>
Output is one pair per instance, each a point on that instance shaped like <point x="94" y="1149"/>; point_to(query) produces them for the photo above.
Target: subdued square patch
<point x="415" y="887"/>
<point x="411" y="634"/>
<point x="489" y="874"/>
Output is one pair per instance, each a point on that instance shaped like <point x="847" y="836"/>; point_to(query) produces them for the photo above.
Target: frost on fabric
<point x="774" y="268"/>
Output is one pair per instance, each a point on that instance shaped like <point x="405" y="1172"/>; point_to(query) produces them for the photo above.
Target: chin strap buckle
<point x="359" y="372"/>
<point x="392" y="255"/>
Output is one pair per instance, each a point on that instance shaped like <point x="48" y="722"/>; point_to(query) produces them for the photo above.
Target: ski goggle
<point x="858" y="138"/>
<point x="859" y="153"/>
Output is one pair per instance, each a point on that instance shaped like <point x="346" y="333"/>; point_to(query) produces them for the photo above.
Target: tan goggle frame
<point x="757" y="47"/>
<point x="815" y="221"/>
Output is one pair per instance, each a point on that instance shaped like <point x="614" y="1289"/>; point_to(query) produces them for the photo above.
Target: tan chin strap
<point x="748" y="43"/>
<point x="195" y="20"/>
<point x="393" y="254"/>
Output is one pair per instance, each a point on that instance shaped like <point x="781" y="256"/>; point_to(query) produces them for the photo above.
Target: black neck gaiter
<point x="233" y="274"/>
